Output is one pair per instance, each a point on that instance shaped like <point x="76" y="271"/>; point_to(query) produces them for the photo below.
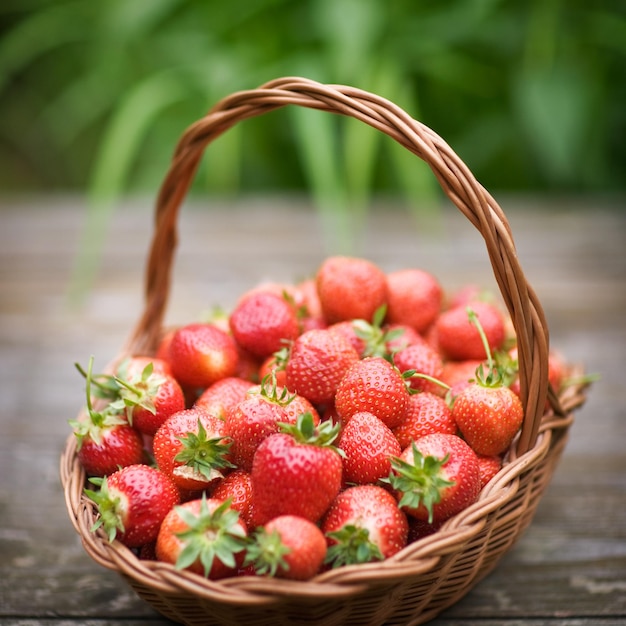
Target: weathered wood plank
<point x="570" y="566"/>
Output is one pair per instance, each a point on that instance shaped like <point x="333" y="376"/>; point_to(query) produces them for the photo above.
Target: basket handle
<point x="453" y="175"/>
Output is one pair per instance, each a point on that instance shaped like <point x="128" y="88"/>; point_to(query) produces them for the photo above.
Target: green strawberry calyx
<point x="421" y="482"/>
<point x="109" y="506"/>
<point x="205" y="455"/>
<point x="123" y="393"/>
<point x="270" y="390"/>
<point x="97" y="422"/>
<point x="352" y="545"/>
<point x="304" y="431"/>
<point x="266" y="553"/>
<point x="138" y="392"/>
<point x="210" y="535"/>
<point x="376" y="338"/>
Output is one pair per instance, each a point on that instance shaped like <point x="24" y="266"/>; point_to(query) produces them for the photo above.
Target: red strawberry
<point x="133" y="502"/>
<point x="275" y="367"/>
<point x="489" y="466"/>
<point x="421" y="358"/>
<point x="288" y="546"/>
<point x="427" y="413"/>
<point x="253" y="419"/>
<point x="456" y="374"/>
<point x="150" y="398"/>
<point x="436" y="477"/>
<point x="460" y="340"/>
<point x="488" y="417"/>
<point x="372" y="338"/>
<point x="374" y="385"/>
<point x="368" y="445"/>
<point x="204" y="536"/>
<point x="201" y="354"/>
<point x="348" y="330"/>
<point x="488" y="413"/>
<point x="296" y="472"/>
<point x="263" y="322"/>
<point x="223" y="395"/>
<point x="237" y="488"/>
<point x="317" y="362"/>
<point x="414" y="298"/>
<point x="192" y="448"/>
<point x="308" y="302"/>
<point x="132" y="367"/>
<point x="364" y="524"/>
<point x="350" y="288"/>
<point x="106" y="441"/>
<point x="400" y="336"/>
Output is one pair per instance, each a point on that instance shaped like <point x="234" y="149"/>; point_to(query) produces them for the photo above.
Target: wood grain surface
<point x="570" y="566"/>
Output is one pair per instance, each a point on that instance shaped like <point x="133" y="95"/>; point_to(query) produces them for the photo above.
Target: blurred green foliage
<point x="95" y="93"/>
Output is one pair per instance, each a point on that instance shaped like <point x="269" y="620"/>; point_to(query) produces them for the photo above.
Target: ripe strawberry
<point x="350" y="288"/>
<point x="348" y="330"/>
<point x="296" y="472"/>
<point x="414" y="298"/>
<point x="364" y="524"/>
<point x="421" y="358"/>
<point x="204" y="536"/>
<point x="488" y="417"/>
<point x="253" y="419"/>
<point x="372" y="338"/>
<point x="459" y="339"/>
<point x="456" y="374"/>
<point x="150" y="398"/>
<point x="288" y="546"/>
<point x="275" y="366"/>
<point x="192" y="448"/>
<point x="106" y="441"/>
<point x="489" y="466"/>
<point x="222" y="396"/>
<point x="237" y="488"/>
<point x="262" y="323"/>
<point x="436" y="477"/>
<point x="368" y="445"/>
<point x="132" y="367"/>
<point x="317" y="362"/>
<point x="427" y="413"/>
<point x="201" y="354"/>
<point x="374" y="385"/>
<point x="132" y="503"/>
<point x="488" y="413"/>
<point x="400" y="336"/>
<point x="307" y="300"/>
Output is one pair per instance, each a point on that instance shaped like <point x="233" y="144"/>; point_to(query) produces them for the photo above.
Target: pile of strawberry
<point x="318" y="425"/>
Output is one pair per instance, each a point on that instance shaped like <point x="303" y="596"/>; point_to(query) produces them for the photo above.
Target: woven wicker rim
<point x="541" y="432"/>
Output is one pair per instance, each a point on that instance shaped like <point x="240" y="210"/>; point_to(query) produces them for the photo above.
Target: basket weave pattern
<point x="433" y="573"/>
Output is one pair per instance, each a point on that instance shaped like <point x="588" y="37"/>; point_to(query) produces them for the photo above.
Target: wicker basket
<point x="433" y="573"/>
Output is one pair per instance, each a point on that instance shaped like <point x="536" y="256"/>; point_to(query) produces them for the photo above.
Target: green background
<point x="95" y="93"/>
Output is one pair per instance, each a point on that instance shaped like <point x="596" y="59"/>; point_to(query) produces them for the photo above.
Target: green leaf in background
<point x="554" y="107"/>
<point x="119" y="148"/>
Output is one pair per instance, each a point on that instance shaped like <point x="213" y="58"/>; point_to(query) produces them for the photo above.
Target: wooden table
<point x="570" y="566"/>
